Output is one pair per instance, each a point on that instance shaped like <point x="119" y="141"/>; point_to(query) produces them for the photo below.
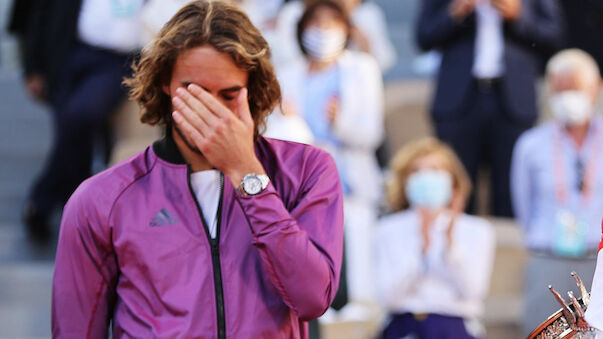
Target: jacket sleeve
<point x="360" y="122"/>
<point x="35" y="36"/>
<point x="371" y="20"/>
<point x="85" y="273"/>
<point x="302" y="249"/>
<point x="436" y="28"/>
<point x="539" y="25"/>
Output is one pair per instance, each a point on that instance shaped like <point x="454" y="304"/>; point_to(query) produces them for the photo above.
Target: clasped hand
<point x="508" y="9"/>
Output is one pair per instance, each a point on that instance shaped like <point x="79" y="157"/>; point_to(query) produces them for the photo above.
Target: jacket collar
<point x="166" y="149"/>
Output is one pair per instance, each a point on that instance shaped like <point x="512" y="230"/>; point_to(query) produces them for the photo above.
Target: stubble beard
<point x="190" y="146"/>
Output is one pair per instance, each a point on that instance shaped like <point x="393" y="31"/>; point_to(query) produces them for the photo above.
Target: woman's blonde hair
<point x="401" y="169"/>
<point x="226" y="28"/>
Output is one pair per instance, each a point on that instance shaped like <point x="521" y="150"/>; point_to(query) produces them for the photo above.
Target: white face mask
<point x="323" y="44"/>
<point x="572" y="107"/>
<point x="430" y="189"/>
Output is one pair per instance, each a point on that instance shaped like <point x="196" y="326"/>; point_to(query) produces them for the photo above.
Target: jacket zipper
<point x="215" y="253"/>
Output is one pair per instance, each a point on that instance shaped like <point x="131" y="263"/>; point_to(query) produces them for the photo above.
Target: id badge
<point x="570" y="234"/>
<point x="124" y="8"/>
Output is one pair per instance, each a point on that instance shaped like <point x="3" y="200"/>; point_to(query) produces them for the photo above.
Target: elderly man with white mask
<point x="557" y="184"/>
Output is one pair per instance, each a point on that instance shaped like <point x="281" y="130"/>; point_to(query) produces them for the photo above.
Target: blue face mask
<point x="430" y="189"/>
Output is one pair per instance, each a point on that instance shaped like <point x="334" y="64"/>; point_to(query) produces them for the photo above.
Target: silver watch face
<point x="252" y="185"/>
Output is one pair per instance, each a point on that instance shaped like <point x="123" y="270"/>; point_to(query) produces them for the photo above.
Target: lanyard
<point x="590" y="173"/>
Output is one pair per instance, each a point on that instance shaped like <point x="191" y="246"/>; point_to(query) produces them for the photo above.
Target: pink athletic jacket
<point x="134" y="249"/>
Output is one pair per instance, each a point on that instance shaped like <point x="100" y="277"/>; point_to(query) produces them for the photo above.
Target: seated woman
<point x="433" y="262"/>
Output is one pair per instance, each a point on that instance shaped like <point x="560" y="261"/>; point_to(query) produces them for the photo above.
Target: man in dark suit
<point x="485" y="96"/>
<point x="70" y="63"/>
<point x="584" y="22"/>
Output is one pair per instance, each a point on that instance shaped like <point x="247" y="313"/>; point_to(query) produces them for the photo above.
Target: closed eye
<point x="230" y="94"/>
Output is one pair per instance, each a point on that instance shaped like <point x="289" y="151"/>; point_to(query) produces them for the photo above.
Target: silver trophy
<point x="569" y="321"/>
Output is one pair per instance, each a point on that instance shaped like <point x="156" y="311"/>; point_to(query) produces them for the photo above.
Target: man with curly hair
<point x="213" y="231"/>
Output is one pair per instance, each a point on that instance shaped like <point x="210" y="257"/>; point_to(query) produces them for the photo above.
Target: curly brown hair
<point x="226" y="28"/>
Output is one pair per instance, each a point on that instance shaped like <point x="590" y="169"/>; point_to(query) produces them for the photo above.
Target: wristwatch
<point x="253" y="184"/>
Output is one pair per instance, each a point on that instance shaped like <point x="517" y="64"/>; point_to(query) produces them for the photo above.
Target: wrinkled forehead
<point x="569" y="79"/>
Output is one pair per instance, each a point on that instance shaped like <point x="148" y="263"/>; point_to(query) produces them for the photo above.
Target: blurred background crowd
<point x="467" y="136"/>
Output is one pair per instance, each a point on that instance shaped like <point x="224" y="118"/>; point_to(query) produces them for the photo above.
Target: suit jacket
<point x="539" y="28"/>
<point x="19" y="16"/>
<point x="584" y="22"/>
<point x="51" y="34"/>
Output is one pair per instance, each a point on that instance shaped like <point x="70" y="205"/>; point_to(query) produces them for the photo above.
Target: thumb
<point x="243" y="107"/>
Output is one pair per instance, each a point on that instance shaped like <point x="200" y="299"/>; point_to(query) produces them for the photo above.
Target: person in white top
<point x="369" y="32"/>
<point x="339" y="95"/>
<point x="433" y="262"/>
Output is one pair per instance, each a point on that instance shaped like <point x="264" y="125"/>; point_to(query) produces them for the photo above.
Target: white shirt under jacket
<point x="451" y="281"/>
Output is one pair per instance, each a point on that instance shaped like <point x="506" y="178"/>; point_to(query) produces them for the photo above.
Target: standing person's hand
<point x="225" y="138"/>
<point x="508" y="9"/>
<point x="288" y="108"/>
<point x="460" y="9"/>
<point x="36" y="86"/>
<point x="450" y="231"/>
<point x="332" y="109"/>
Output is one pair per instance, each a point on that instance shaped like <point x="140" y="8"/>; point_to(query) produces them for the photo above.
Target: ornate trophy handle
<point x="568" y="322"/>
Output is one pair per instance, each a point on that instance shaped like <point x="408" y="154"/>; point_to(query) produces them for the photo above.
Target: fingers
<point x="193" y="117"/>
<point x="194" y="135"/>
<point x="332" y="108"/>
<point x="497" y="4"/>
<point x="459" y="9"/>
<point x="186" y="102"/>
<point x="243" y="110"/>
<point x="209" y="101"/>
<point x="508" y="9"/>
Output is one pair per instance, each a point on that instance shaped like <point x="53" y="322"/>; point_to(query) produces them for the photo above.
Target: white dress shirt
<point x="446" y="281"/>
<point x="207" y="186"/>
<point x="489" y="42"/>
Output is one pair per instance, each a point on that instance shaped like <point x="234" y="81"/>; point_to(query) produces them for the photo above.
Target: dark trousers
<point x="486" y="135"/>
<point x="432" y="326"/>
<point x="83" y="97"/>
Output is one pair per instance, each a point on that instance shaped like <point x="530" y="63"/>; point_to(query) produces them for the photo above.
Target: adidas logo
<point x="163" y="218"/>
